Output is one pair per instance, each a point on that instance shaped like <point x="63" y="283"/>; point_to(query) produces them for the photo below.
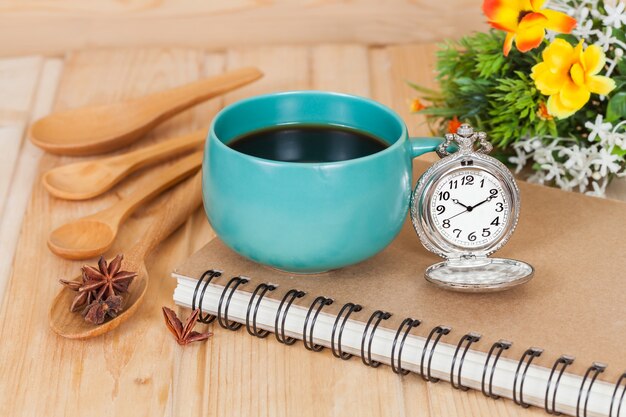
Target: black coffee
<point x="308" y="143"/>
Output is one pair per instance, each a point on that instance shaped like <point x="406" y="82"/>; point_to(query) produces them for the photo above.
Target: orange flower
<point x="453" y="125"/>
<point x="525" y="21"/>
<point x="543" y="112"/>
<point x="416" y="105"/>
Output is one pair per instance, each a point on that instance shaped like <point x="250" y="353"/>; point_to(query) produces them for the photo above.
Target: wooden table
<point x="139" y="369"/>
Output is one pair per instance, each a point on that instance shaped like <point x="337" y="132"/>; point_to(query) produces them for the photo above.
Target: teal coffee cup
<point x="306" y="217"/>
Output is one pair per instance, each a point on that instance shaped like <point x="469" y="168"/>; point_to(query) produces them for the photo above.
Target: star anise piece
<point x="82" y="298"/>
<point x="107" y="280"/>
<point x="98" y="311"/>
<point x="184" y="334"/>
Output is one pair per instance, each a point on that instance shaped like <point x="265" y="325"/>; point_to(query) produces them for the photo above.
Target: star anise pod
<point x="82" y="298"/>
<point x="106" y="281"/>
<point x="183" y="334"/>
<point x="99" y="310"/>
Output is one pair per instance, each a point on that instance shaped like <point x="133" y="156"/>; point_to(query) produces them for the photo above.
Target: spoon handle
<point x="149" y="188"/>
<point x="173" y="101"/>
<point x="179" y="206"/>
<point x="140" y="158"/>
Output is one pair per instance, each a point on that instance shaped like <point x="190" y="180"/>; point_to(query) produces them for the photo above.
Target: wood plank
<point x="391" y="68"/>
<point x="18" y="82"/>
<point x="228" y="23"/>
<point x="114" y="373"/>
<point x="25" y="170"/>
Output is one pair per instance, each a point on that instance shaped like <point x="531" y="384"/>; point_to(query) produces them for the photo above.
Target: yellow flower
<point x="525" y="21"/>
<point x="569" y="75"/>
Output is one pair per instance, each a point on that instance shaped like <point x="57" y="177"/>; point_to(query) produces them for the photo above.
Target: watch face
<point x="470" y="208"/>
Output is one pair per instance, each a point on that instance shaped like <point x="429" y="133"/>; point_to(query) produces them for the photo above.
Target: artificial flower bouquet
<point x="547" y="84"/>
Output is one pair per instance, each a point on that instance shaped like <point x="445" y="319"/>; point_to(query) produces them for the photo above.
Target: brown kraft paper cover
<point x="575" y="304"/>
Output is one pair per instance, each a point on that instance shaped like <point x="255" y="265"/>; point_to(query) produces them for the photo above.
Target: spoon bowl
<point x="89" y="130"/>
<point x="181" y="203"/>
<point x="82" y="239"/>
<point x="92" y="235"/>
<point x="73" y="325"/>
<point x="84" y="180"/>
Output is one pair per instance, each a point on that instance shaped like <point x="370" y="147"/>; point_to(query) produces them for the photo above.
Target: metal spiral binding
<point x="379" y="315"/>
<point x="338" y="351"/>
<point x="501" y="345"/>
<point x="308" y="341"/>
<point x="208" y="276"/>
<point x="407" y="325"/>
<point x="441" y="331"/>
<point x="469" y="338"/>
<point x="263" y="289"/>
<point x="222" y="318"/>
<point x="621" y="398"/>
<point x="279" y="332"/>
<point x="597" y="368"/>
<point x="531" y="354"/>
<point x="564" y="361"/>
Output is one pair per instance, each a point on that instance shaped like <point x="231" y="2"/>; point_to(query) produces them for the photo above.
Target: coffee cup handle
<point x="420" y="146"/>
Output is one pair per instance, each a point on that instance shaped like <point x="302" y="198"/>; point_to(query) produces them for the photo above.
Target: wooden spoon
<point x="182" y="202"/>
<point x="93" y="235"/>
<point x="92" y="130"/>
<point x="84" y="180"/>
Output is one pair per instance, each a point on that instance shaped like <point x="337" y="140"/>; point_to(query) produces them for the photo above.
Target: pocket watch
<point x="464" y="208"/>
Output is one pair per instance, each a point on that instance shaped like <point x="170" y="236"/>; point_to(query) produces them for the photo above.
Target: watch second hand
<point x="458" y="214"/>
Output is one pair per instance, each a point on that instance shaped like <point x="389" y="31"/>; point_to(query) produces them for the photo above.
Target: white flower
<point x="606" y="39"/>
<point x="606" y="162"/>
<point x="598" y="190"/>
<point x="584" y="30"/>
<point x="598" y="129"/>
<point x="615" y="15"/>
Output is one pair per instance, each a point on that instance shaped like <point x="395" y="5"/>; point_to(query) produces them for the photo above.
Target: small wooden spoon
<point x="93" y="130"/>
<point x="182" y="202"/>
<point x="84" y="180"/>
<point x="93" y="235"/>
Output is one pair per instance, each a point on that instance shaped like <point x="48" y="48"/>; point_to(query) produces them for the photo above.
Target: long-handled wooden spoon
<point x="92" y="130"/>
<point x="179" y="206"/>
<point x="84" y="180"/>
<point x="93" y="235"/>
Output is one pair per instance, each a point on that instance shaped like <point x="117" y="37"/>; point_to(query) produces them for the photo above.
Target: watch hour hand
<point x="455" y="201"/>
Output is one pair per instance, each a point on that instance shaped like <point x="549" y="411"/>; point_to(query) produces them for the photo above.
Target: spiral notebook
<point x="558" y="342"/>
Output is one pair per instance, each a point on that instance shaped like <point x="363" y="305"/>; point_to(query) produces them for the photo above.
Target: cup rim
<point x="391" y="148"/>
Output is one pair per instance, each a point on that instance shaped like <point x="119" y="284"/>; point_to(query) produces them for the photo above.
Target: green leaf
<point x="619" y="151"/>
<point x="621" y="66"/>
<point x="571" y="39"/>
<point x="423" y="89"/>
<point x="616" y="108"/>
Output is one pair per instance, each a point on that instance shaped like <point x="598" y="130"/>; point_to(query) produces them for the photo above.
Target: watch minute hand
<point x="482" y="202"/>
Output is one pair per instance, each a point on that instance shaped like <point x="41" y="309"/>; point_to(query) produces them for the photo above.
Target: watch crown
<point x="465" y="130"/>
<point x="465" y="137"/>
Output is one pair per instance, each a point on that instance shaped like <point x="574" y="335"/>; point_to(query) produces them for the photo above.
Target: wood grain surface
<point x="55" y="26"/>
<point x="139" y="369"/>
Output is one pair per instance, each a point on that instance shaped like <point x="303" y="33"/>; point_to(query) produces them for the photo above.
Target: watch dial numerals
<point x="469" y="208"/>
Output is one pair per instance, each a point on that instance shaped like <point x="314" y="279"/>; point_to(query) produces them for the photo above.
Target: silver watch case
<point x="468" y="269"/>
